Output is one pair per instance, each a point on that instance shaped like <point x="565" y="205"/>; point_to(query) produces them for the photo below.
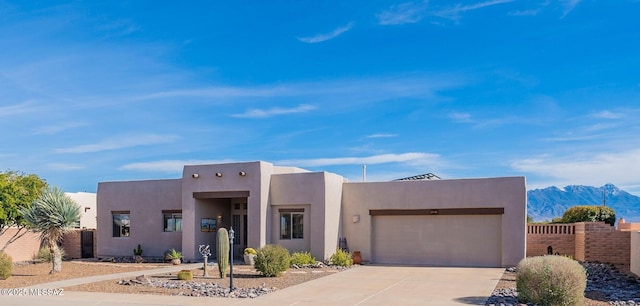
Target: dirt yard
<point x="244" y="277"/>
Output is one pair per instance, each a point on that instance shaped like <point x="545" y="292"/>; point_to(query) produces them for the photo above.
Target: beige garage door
<point x="455" y="240"/>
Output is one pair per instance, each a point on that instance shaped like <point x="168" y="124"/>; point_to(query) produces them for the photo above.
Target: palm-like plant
<point x="52" y="215"/>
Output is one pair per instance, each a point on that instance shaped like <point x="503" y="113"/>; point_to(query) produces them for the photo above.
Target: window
<point x="292" y="224"/>
<point x="121" y="223"/>
<point x="172" y="220"/>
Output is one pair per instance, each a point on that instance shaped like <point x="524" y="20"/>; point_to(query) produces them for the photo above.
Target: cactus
<point x="138" y="251"/>
<point x="222" y="248"/>
<point x="185" y="275"/>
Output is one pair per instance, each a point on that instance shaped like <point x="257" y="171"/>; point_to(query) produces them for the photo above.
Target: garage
<point x="437" y="237"/>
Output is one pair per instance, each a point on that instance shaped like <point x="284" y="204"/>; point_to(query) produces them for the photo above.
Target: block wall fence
<point x="22" y="249"/>
<point x="584" y="241"/>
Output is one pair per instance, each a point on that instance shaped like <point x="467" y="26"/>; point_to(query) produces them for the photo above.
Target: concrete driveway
<point x="392" y="285"/>
<point x="362" y="285"/>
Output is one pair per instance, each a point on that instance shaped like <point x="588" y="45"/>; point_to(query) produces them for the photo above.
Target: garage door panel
<point x="467" y="240"/>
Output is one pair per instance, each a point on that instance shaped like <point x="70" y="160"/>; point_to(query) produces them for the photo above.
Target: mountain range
<point x="548" y="203"/>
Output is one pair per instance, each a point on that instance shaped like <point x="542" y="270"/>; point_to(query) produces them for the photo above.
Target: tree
<point x="52" y="215"/>
<point x="17" y="190"/>
<point x="587" y="213"/>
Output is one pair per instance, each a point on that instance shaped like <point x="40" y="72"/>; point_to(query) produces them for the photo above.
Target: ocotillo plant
<point x="223" y="251"/>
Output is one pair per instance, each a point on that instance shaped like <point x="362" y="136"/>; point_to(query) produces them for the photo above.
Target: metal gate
<point x="86" y="242"/>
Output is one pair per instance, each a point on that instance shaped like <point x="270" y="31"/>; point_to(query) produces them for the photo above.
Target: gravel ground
<point x="244" y="277"/>
<point x="606" y="285"/>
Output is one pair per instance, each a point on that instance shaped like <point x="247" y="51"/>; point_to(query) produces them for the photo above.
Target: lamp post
<point x="231" y="232"/>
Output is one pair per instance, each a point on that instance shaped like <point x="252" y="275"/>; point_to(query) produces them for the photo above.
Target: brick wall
<point x="585" y="241"/>
<point x="72" y="245"/>
<point x="624" y="226"/>
<point x="603" y="243"/>
<point x="561" y="238"/>
<point x="22" y="249"/>
<point x="635" y="253"/>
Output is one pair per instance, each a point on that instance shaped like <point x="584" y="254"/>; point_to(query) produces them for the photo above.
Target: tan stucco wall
<point x="255" y="181"/>
<point x="145" y="200"/>
<point x="87" y="202"/>
<point x="320" y="192"/>
<point x="508" y="193"/>
<point x="635" y="253"/>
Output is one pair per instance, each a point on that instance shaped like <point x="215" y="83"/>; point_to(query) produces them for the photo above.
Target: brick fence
<point x="72" y="243"/>
<point x="584" y="241"/>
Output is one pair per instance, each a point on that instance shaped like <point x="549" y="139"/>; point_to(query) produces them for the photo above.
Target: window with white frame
<point x="291" y="224"/>
<point x="172" y="220"/>
<point x="121" y="223"/>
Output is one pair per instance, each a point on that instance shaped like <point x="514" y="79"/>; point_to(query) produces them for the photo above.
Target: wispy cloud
<point x="275" y="111"/>
<point x="607" y="115"/>
<point x="568" y="6"/>
<point x="55" y="129"/>
<point x="21" y="108"/>
<point x="530" y="12"/>
<point x="584" y="168"/>
<point x="460" y="117"/>
<point x="453" y="13"/>
<point x="169" y="166"/>
<point x="382" y="135"/>
<point x="489" y="122"/>
<point x="119" y="143"/>
<point x="354" y="90"/>
<point x="326" y="36"/>
<point x="413" y="157"/>
<point x="118" y="28"/>
<point x="65" y="167"/>
<point x="409" y="12"/>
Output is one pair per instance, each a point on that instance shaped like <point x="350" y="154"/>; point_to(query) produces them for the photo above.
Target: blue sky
<point x="96" y="91"/>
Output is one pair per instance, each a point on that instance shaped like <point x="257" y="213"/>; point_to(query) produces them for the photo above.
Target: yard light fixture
<point x="231" y="233"/>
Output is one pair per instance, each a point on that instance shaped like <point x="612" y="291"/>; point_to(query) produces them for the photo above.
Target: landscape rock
<point x="604" y="279"/>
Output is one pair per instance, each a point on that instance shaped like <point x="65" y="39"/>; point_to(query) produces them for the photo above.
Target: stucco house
<point x="461" y="222"/>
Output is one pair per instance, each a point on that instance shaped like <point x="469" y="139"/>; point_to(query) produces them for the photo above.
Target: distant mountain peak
<point x="550" y="202"/>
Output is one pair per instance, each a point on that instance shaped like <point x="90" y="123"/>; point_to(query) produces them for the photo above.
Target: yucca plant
<point x="52" y="215"/>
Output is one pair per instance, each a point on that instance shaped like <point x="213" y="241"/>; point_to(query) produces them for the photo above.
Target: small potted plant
<point x="249" y="256"/>
<point x="174" y="256"/>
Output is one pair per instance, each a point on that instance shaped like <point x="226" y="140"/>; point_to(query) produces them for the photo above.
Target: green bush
<point x="272" y="260"/>
<point x="44" y="254"/>
<point x="551" y="280"/>
<point x="302" y="259"/>
<point x="590" y="214"/>
<point x="341" y="258"/>
<point x="6" y="265"/>
<point x="185" y="275"/>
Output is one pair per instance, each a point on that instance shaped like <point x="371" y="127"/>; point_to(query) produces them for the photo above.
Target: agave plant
<point x="52" y="215"/>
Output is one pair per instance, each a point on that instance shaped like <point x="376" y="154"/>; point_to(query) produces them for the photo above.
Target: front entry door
<point x="239" y="224"/>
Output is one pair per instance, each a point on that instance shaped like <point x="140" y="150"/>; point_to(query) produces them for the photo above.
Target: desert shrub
<point x="302" y="259"/>
<point x="6" y="265"/>
<point x="44" y="254"/>
<point x="341" y="258"/>
<point x="185" y="275"/>
<point x="551" y="280"/>
<point x="590" y="214"/>
<point x="271" y="260"/>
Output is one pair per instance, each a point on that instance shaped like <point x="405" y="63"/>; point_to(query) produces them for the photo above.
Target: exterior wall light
<point x="218" y="174"/>
<point x="195" y="175"/>
<point x="242" y="173"/>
